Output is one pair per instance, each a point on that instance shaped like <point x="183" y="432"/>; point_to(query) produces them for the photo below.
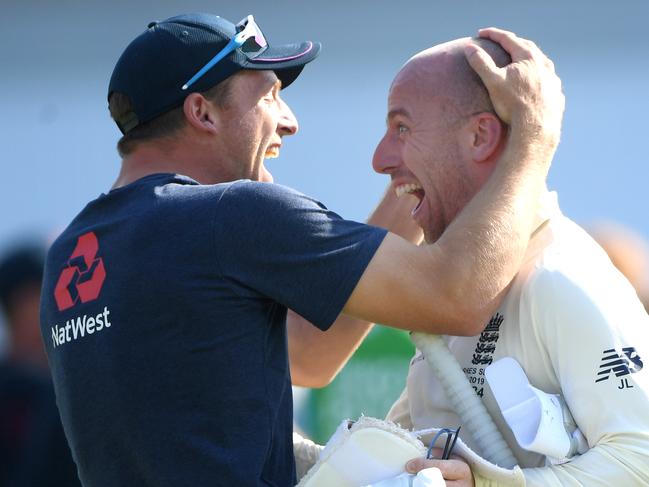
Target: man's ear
<point x="487" y="136"/>
<point x="200" y="113"/>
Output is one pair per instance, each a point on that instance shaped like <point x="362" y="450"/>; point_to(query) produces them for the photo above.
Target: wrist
<point x="536" y="130"/>
<point x="531" y="141"/>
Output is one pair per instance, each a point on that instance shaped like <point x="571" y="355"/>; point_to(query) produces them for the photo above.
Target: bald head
<point x="443" y="71"/>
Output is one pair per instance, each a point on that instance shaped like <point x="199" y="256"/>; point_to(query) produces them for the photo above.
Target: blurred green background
<point x="369" y="384"/>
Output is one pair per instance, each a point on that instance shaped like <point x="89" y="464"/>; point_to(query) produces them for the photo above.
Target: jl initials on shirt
<point x="624" y="384"/>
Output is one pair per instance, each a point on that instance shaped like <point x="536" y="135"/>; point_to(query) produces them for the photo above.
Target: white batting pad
<point x="370" y="451"/>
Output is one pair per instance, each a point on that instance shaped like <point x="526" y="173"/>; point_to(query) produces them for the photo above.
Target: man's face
<point x="253" y="122"/>
<point x="422" y="149"/>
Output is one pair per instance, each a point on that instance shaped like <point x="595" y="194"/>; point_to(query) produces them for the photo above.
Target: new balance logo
<point x="621" y="363"/>
<point x="83" y="278"/>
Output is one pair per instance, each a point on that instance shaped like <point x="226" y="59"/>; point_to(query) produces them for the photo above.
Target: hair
<point x="166" y="125"/>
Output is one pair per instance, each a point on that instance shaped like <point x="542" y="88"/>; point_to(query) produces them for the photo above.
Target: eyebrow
<point x="398" y="111"/>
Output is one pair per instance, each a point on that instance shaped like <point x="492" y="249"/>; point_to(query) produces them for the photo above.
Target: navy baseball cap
<point x="154" y="70"/>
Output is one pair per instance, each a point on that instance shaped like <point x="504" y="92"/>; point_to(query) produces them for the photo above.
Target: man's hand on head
<point x="527" y="92"/>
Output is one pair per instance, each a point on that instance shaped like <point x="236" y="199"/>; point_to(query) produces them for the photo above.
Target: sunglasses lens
<point x="255" y="41"/>
<point x="253" y="44"/>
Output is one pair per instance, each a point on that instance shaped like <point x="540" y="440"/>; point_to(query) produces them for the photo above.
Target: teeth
<point x="272" y="153"/>
<point x="406" y="188"/>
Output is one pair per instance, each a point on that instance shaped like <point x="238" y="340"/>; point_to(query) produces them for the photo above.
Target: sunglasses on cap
<point x="248" y="39"/>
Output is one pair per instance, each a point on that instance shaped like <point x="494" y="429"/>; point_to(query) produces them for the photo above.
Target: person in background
<point x="21" y="276"/>
<point x="628" y="251"/>
<point x="33" y="448"/>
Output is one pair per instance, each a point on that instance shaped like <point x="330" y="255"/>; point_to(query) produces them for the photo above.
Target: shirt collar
<point x="548" y="209"/>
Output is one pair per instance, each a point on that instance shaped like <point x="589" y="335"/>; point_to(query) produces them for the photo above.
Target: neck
<point x="135" y="167"/>
<point x="168" y="158"/>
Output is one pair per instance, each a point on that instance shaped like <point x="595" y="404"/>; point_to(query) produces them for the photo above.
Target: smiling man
<point x="569" y="318"/>
<point x="192" y="260"/>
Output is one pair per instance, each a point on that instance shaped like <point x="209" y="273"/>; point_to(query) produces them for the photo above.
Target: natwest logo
<point x="83" y="278"/>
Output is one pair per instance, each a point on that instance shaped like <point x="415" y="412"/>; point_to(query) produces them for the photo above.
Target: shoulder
<point x="264" y="204"/>
<point x="231" y="199"/>
<point x="571" y="258"/>
<point x="255" y="192"/>
<point x="573" y="281"/>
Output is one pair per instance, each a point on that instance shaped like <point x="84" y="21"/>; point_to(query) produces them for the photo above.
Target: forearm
<point x="316" y="357"/>
<point x="599" y="467"/>
<point x="603" y="465"/>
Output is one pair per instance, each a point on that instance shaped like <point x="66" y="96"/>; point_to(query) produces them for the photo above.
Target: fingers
<point x="527" y="90"/>
<point x="517" y="47"/>
<point x="501" y="36"/>
<point x="549" y="64"/>
<point x="510" y="42"/>
<point x="451" y="469"/>
<point x="482" y="63"/>
<point x="414" y="466"/>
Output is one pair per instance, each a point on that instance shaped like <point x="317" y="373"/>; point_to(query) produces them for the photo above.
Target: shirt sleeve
<point x="277" y="243"/>
<point x="596" y="335"/>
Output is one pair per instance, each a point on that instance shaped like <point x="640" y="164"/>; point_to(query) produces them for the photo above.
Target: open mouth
<point x="272" y="152"/>
<point x="414" y="189"/>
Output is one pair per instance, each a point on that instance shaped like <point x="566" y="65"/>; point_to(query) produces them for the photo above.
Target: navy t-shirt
<point x="164" y="318"/>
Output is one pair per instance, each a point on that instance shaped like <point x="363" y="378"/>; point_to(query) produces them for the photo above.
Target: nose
<point x="287" y="122"/>
<point x="386" y="157"/>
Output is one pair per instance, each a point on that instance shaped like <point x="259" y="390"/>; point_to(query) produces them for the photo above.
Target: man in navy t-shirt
<point x="164" y="308"/>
